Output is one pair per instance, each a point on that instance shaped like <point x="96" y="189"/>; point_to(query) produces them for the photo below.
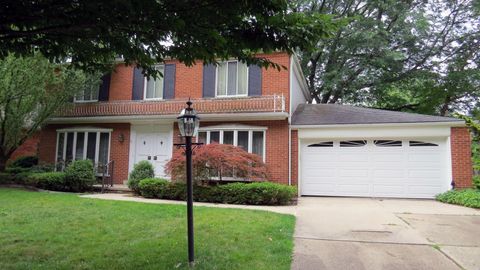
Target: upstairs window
<point x="232" y="79"/>
<point x="87" y="95"/>
<point x="154" y="88"/>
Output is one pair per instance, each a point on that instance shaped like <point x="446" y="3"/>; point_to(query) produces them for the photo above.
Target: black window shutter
<point x="104" y="87"/>
<point x="209" y="80"/>
<point x="138" y="82"/>
<point x="254" y="80"/>
<point x="169" y="81"/>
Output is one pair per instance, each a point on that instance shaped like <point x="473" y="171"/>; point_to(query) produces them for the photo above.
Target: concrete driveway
<point x="363" y="233"/>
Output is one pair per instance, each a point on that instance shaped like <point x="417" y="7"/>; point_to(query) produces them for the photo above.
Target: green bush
<point x="6" y="178"/>
<point x="33" y="169"/>
<point x="476" y="181"/>
<point x="25" y="162"/>
<point x="465" y="197"/>
<point x="152" y="187"/>
<point x="79" y="175"/>
<point x="264" y="193"/>
<point x="141" y="170"/>
<point x="49" y="180"/>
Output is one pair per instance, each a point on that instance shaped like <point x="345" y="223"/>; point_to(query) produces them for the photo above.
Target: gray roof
<point x="334" y="114"/>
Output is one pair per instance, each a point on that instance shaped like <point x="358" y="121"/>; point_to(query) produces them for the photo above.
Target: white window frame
<point x="145" y="84"/>
<point x="85" y="101"/>
<point x="235" y="136"/>
<point x="75" y="131"/>
<point x="226" y="83"/>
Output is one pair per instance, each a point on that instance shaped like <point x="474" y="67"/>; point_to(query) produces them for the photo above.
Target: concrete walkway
<point x="131" y="198"/>
<point x="364" y="233"/>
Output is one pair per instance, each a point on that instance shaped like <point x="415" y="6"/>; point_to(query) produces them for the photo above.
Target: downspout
<point x="289" y="118"/>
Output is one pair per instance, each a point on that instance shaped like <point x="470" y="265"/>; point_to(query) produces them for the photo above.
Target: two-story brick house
<point x="324" y="149"/>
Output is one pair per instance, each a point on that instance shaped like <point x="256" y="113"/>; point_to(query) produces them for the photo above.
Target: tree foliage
<point x="31" y="90"/>
<point x="92" y="33"/>
<point x="415" y="55"/>
<point x="218" y="161"/>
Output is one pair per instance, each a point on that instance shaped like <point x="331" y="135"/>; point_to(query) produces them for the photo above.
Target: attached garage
<point x="352" y="151"/>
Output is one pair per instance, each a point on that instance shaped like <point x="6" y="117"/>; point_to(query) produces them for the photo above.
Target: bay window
<point x="231" y="79"/>
<point x="87" y="95"/>
<point x="251" y="140"/>
<point x="82" y="143"/>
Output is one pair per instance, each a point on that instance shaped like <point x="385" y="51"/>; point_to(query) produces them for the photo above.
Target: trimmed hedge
<point x="465" y="197"/>
<point x="49" y="180"/>
<point x="25" y="162"/>
<point x="141" y="170"/>
<point x="260" y="193"/>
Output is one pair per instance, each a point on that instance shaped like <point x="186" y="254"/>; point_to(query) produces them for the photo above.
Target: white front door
<point x="405" y="168"/>
<point x="153" y="144"/>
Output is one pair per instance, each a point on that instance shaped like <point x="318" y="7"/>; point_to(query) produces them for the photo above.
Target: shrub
<point x="152" y="187"/>
<point x="49" y="180"/>
<point x="476" y="181"/>
<point x="260" y="193"/>
<point x="25" y="162"/>
<point x="33" y="169"/>
<point x="264" y="193"/>
<point x="218" y="160"/>
<point x="79" y="175"/>
<point x="465" y="197"/>
<point x="6" y="178"/>
<point x="141" y="170"/>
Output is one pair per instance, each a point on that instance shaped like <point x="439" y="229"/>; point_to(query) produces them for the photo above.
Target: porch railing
<point x="272" y="103"/>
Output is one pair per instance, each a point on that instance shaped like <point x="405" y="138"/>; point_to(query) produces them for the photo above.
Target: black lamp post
<point x="188" y="123"/>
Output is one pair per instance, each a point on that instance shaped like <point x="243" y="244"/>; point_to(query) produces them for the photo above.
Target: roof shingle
<point x="334" y="114"/>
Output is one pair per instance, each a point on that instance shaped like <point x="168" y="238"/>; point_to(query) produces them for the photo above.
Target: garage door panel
<point x="379" y="169"/>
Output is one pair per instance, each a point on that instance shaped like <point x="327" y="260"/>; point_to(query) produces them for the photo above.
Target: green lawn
<point x="62" y="231"/>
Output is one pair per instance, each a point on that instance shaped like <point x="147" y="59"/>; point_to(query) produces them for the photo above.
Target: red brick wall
<point x="274" y="81"/>
<point x="121" y="83"/>
<point x="188" y="81"/>
<point x="28" y="148"/>
<point x="462" y="171"/>
<point x="294" y="170"/>
<point x="119" y="151"/>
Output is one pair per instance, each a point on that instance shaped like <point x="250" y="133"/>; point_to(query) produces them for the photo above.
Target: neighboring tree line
<point x="416" y="55"/>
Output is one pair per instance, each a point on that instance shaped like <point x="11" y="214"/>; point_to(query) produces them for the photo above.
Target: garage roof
<point x="334" y="114"/>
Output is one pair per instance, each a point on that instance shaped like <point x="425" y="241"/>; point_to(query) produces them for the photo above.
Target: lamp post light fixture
<point x="188" y="124"/>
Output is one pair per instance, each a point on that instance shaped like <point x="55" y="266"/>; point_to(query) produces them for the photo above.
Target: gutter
<point x="447" y="123"/>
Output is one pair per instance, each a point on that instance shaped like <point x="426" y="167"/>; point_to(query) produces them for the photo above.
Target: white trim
<point x="297" y="68"/>
<point x="449" y="163"/>
<point x="289" y="156"/>
<point x="232" y="127"/>
<point x="74" y="147"/>
<point x="97" y="148"/>
<point x="84" y="129"/>
<point x="448" y="123"/>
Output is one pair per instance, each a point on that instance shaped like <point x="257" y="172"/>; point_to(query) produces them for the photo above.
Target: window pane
<point x="232" y="79"/>
<point x="228" y="137"/>
<point x="243" y="139"/>
<point x="242" y="79"/>
<point x="221" y="79"/>
<point x="150" y="88"/>
<point x="103" y="149"/>
<point x="80" y="95"/>
<point x="92" y="139"/>
<point x="61" y="141"/>
<point x="214" y="136"/>
<point x="69" y="154"/>
<point x="257" y="144"/>
<point x="159" y="83"/>
<point x="80" y="145"/>
<point x="202" y="137"/>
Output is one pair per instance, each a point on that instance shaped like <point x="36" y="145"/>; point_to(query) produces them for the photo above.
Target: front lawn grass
<point x="62" y="231"/>
<point x="465" y="197"/>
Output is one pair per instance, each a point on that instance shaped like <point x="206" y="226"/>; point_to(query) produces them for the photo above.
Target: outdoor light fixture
<point x="188" y="124"/>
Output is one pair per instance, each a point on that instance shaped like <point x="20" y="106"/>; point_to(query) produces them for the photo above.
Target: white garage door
<point x="413" y="168"/>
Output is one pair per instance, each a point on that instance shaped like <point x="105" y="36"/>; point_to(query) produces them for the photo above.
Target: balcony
<point x="274" y="103"/>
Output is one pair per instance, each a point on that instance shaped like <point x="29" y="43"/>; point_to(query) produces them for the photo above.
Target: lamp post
<point x="188" y="124"/>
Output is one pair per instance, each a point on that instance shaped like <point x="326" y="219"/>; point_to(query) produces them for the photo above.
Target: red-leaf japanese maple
<point x="218" y="161"/>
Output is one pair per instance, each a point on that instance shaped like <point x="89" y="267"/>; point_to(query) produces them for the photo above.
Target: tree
<point x="218" y="160"/>
<point x="428" y="46"/>
<point x="92" y="33"/>
<point x="31" y="90"/>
